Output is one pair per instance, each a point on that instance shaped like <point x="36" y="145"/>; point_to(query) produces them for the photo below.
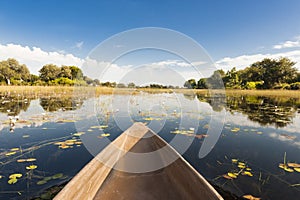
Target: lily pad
<point x="105" y="134"/>
<point x="48" y="178"/>
<point x="297" y="169"/>
<point x="13" y="176"/>
<point x="232" y="175"/>
<point x="42" y="182"/>
<point x="56" y="176"/>
<point x="30" y="167"/>
<point x="12" y="181"/>
<point x="10" y="153"/>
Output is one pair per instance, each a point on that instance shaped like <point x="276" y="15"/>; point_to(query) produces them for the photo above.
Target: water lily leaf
<point x="247" y="173"/>
<point x="235" y="130"/>
<point x="282" y="166"/>
<point x="58" y="143"/>
<point x="249" y="196"/>
<point x="12" y="181"/>
<point x="259" y="132"/>
<point x="297" y="169"/>
<point x="1" y="176"/>
<point x="293" y="164"/>
<point x="64" y="146"/>
<point x="248" y="169"/>
<point x="10" y="153"/>
<point x="26" y="136"/>
<point x="105" y="134"/>
<point x="56" y="176"/>
<point x="30" y="159"/>
<point x="227" y="177"/>
<point x="79" y="133"/>
<point x="89" y="130"/>
<point x="241" y="163"/>
<point x="30" y="167"/>
<point x="234" y="160"/>
<point x="21" y="160"/>
<point x="241" y="166"/>
<point x="13" y="176"/>
<point x="42" y="182"/>
<point x="48" y="178"/>
<point x="232" y="175"/>
<point x="14" y="149"/>
<point x="288" y="169"/>
<point x="78" y="142"/>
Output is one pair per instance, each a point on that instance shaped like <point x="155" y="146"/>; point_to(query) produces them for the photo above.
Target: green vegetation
<point x="265" y="74"/>
<point x="14" y="73"/>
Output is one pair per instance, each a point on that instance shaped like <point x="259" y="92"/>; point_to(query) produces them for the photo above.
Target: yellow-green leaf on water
<point x="259" y="132"/>
<point x="288" y="169"/>
<point x="1" y="176"/>
<point x="297" y="169"/>
<point x="105" y="134"/>
<point x="10" y="153"/>
<point x="13" y="176"/>
<point x="79" y="133"/>
<point x="248" y="169"/>
<point x="56" y="176"/>
<point x="293" y="164"/>
<point x="30" y="159"/>
<point x="26" y="136"/>
<point x="42" y="182"/>
<point x="250" y="197"/>
<point x="234" y="160"/>
<point x="89" y="130"/>
<point x="31" y="167"/>
<point x="241" y="163"/>
<point x="226" y="176"/>
<point x="14" y="149"/>
<point x="48" y="178"/>
<point x="241" y="166"/>
<point x="12" y="181"/>
<point x="232" y="175"/>
<point x="21" y="160"/>
<point x="247" y="173"/>
<point x="282" y="166"/>
<point x="103" y="126"/>
<point x="235" y="130"/>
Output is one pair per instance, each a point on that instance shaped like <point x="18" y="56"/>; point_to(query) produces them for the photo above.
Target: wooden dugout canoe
<point x="178" y="180"/>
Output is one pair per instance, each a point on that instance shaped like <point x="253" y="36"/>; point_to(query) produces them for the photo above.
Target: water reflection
<point x="51" y="104"/>
<point x="277" y="111"/>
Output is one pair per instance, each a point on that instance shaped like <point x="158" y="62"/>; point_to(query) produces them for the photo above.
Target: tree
<point x="11" y="69"/>
<point x="274" y="71"/>
<point x="65" y="72"/>
<point x="131" y="85"/>
<point x="191" y="84"/>
<point x="231" y="79"/>
<point x="76" y="73"/>
<point x="215" y="81"/>
<point x="49" y="72"/>
<point x="202" y="83"/>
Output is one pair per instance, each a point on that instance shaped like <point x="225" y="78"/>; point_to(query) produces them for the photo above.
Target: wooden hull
<point x="178" y="180"/>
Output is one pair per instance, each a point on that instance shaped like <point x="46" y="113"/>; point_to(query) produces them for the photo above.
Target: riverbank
<point x="74" y="90"/>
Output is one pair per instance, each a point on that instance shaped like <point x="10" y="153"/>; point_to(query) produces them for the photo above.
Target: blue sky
<point x="231" y="28"/>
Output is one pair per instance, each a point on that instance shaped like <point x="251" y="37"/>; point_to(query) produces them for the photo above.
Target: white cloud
<point x="79" y="45"/>
<point x="288" y="44"/>
<point x="243" y="61"/>
<point x="35" y="57"/>
<point x="167" y="72"/>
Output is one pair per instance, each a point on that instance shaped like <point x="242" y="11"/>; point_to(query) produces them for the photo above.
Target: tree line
<point x="266" y="74"/>
<point x="14" y="73"/>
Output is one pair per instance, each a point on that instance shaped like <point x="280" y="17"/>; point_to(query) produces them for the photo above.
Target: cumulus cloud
<point x="35" y="57"/>
<point x="243" y="61"/>
<point x="288" y="44"/>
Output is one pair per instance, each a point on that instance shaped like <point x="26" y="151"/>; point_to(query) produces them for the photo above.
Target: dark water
<point x="257" y="131"/>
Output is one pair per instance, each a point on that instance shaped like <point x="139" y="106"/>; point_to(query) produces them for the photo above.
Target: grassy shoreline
<point x="71" y="90"/>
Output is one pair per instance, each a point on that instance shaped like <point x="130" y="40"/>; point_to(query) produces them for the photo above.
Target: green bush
<point x="283" y="86"/>
<point x="295" y="86"/>
<point x="251" y="85"/>
<point x="62" y="81"/>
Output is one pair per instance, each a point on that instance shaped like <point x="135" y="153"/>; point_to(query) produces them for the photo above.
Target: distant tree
<point x="65" y="72"/>
<point x="76" y="73"/>
<point x="88" y="80"/>
<point x="11" y="69"/>
<point x="121" y="85"/>
<point x="231" y="79"/>
<point x="215" y="81"/>
<point x="49" y="72"/>
<point x="131" y="85"/>
<point x="191" y="84"/>
<point x="202" y="83"/>
<point x="96" y="82"/>
<point x="275" y="71"/>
